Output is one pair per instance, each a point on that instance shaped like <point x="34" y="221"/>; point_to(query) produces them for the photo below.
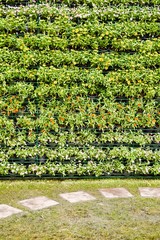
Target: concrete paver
<point x="115" y="193"/>
<point x="149" y="192"/>
<point x="79" y="196"/>
<point x="6" y="210"/>
<point x="38" y="203"/>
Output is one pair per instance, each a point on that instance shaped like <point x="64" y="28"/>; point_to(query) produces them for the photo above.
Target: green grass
<point x="126" y="219"/>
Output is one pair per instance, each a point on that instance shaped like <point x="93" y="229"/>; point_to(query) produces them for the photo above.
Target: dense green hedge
<point x="80" y="87"/>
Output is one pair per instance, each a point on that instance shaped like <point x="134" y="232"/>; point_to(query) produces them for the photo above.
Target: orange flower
<point x="136" y="119"/>
<point x="51" y="120"/>
<point x="139" y="104"/>
<point x="12" y="98"/>
<point x="15" y="110"/>
<point x="62" y="119"/>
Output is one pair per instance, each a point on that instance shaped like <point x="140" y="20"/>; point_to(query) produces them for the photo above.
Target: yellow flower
<point x="101" y="59"/>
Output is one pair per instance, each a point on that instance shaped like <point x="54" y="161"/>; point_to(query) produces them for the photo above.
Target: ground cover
<point x="130" y="218"/>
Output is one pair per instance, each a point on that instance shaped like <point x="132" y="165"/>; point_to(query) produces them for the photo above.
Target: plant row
<point x="87" y="42"/>
<point x="75" y="170"/>
<point x="70" y="30"/>
<point x="72" y="169"/>
<point x="83" y="138"/>
<point x="62" y="82"/>
<point x="96" y="162"/>
<point x="109" y="91"/>
<point x="81" y="59"/>
<point x="51" y="97"/>
<point x="106" y="118"/>
<point x="78" y="15"/>
<point x="86" y="104"/>
<point x="17" y="111"/>
<point x="124" y="154"/>
<point x="84" y="121"/>
<point x="72" y="75"/>
<point x="90" y="3"/>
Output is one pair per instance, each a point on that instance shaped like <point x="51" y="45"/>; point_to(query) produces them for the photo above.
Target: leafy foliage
<point x="80" y="92"/>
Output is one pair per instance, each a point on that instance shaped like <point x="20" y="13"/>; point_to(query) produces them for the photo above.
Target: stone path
<point x="42" y="202"/>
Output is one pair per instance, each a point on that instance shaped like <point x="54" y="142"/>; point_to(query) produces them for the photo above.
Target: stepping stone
<point x="149" y="192"/>
<point x="74" y="197"/>
<point x="6" y="211"/>
<point x="38" y="203"/>
<point x="115" y="193"/>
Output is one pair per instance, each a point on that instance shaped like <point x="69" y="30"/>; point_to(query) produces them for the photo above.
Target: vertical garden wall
<point x="80" y="88"/>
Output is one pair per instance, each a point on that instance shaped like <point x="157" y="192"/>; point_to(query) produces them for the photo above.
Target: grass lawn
<point x="126" y="219"/>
